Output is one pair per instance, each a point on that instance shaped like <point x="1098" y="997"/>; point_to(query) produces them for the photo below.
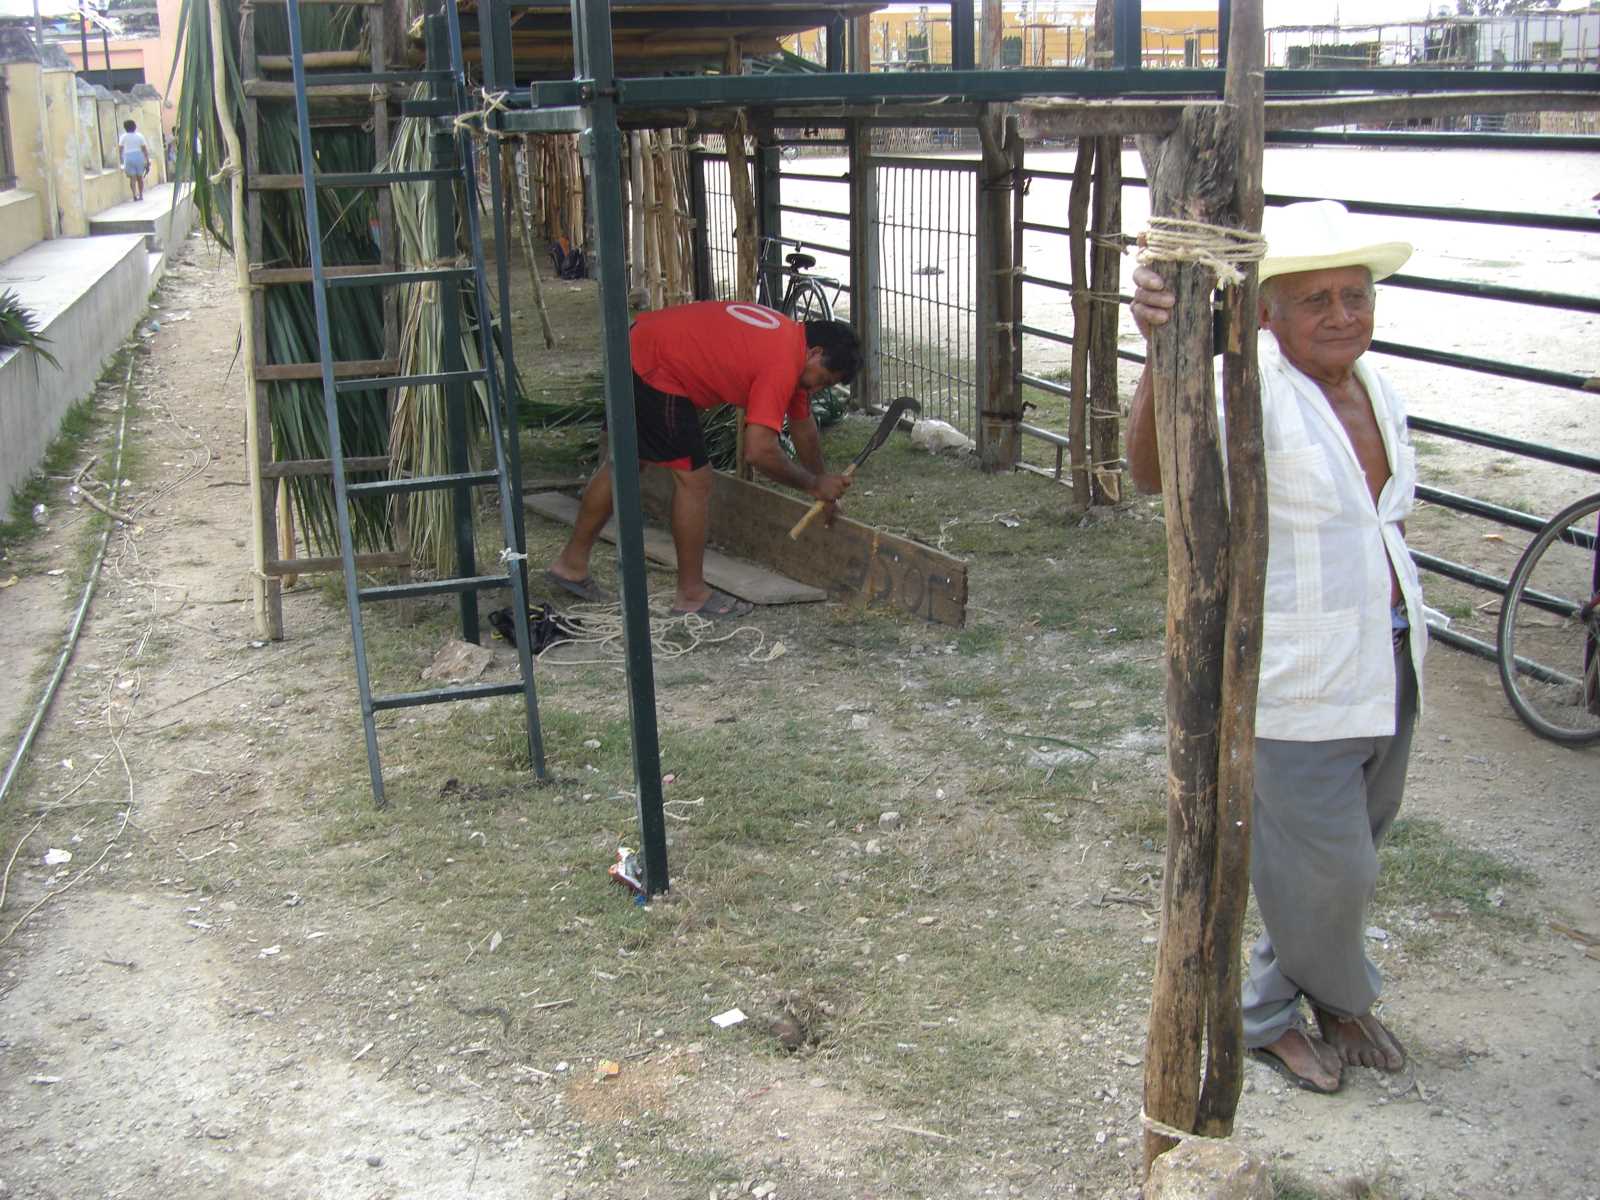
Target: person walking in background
<point x="133" y="152"/>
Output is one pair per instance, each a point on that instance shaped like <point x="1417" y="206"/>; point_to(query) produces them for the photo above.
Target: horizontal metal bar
<point x="471" y="691"/>
<point x="1489" y="366"/>
<point x="390" y="278"/>
<point x="842" y="178"/>
<point x="1063" y="340"/>
<point x="434" y="587"/>
<point x="568" y="119"/>
<point x="1491" y="583"/>
<point x="1495" y="441"/>
<point x="1433" y="212"/>
<point x="422" y="483"/>
<point x="1476" y="216"/>
<point x="1047" y="385"/>
<point x="1490" y="291"/>
<point x="1043" y="227"/>
<point x="1482" y="649"/>
<point x="1040" y="281"/>
<point x="1479" y="508"/>
<point x="707" y="91"/>
<point x="432" y="379"/>
<point x="1045" y="435"/>
<point x="1437" y="139"/>
<point x="826" y="213"/>
<point x="322" y="466"/>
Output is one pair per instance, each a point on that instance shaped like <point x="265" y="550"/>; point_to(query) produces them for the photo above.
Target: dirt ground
<point x="201" y="1003"/>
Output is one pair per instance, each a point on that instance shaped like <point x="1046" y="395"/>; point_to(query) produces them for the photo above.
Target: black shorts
<point x="669" y="429"/>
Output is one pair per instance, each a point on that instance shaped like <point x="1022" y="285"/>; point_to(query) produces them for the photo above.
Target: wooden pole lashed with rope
<point x="1207" y="175"/>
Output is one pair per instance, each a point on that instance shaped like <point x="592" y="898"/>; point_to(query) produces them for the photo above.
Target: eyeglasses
<point x="1355" y="301"/>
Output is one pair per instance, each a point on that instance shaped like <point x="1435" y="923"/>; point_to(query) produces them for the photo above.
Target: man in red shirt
<point x="697" y="356"/>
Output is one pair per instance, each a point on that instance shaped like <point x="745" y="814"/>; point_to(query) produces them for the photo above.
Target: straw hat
<point x="1316" y="235"/>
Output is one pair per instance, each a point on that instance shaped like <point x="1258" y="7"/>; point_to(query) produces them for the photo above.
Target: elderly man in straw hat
<point x="1343" y="637"/>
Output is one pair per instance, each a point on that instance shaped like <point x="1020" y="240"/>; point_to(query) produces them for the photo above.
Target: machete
<point x="880" y="435"/>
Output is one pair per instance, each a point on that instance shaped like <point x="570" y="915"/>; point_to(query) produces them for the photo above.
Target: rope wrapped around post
<point x="1221" y="248"/>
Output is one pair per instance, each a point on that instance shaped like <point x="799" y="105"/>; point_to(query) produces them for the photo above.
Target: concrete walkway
<point x="155" y="216"/>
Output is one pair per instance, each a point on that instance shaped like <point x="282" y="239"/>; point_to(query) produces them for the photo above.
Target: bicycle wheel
<point x="808" y="301"/>
<point x="1549" y="638"/>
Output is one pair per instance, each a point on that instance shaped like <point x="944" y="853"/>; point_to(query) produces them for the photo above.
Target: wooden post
<point x="1105" y="279"/>
<point x="999" y="403"/>
<point x="1208" y="170"/>
<point x="1247" y="568"/>
<point x="1077" y="248"/>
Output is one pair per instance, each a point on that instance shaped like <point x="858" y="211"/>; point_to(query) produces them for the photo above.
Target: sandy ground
<point x="160" y="1042"/>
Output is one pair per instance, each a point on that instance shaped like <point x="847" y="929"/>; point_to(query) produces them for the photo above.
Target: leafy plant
<point x="20" y="327"/>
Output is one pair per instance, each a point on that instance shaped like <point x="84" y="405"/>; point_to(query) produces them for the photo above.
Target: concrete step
<point x="155" y="217"/>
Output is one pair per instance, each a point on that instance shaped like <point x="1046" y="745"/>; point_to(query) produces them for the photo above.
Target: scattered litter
<point x="494" y="941"/>
<point x="40" y="512"/>
<point x="608" y="1069"/>
<point x="1496" y="897"/>
<point x="54" y="857"/>
<point x="1009" y="520"/>
<point x="591" y="744"/>
<point x="57" y="571"/>
<point x="888" y="820"/>
<point x="44" y="1079"/>
<point x="726" y="1020"/>
<point x="629" y="872"/>
<point x="935" y="436"/>
<point x="10" y="581"/>
<point x="269" y="951"/>
<point x="859" y="721"/>
<point x="1377" y="933"/>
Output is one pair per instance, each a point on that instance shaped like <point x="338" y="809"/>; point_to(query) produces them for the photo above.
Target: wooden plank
<point x="1090" y="118"/>
<point x="355" y="368"/>
<point x="282" y="89"/>
<point x="317" y="566"/>
<point x="323" y="466"/>
<point x="745" y="580"/>
<point x="273" y="275"/>
<point x="851" y="560"/>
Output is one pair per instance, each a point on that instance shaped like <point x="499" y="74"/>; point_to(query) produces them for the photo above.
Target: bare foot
<point x="1305" y="1061"/>
<point x="1362" y="1041"/>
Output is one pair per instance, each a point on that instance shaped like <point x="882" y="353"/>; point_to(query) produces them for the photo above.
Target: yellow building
<point x="1039" y="34"/>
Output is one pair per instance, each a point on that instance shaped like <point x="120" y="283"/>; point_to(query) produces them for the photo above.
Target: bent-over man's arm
<point x="763" y="452"/>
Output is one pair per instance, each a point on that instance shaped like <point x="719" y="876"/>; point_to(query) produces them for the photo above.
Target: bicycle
<point x="1560" y="562"/>
<point x="806" y="297"/>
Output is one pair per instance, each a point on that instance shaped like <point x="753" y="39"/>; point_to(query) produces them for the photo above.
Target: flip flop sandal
<point x="584" y="589"/>
<point x="1282" y="1068"/>
<point x="718" y="606"/>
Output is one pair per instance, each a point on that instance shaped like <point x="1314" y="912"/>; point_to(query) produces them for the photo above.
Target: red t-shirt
<point x="715" y="352"/>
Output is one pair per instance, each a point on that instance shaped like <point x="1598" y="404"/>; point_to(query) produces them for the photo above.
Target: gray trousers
<point x="1321" y="810"/>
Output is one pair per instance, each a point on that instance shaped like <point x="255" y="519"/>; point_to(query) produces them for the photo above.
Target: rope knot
<point x="1218" y="247"/>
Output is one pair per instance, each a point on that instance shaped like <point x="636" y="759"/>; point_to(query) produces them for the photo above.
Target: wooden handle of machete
<point x="815" y="509"/>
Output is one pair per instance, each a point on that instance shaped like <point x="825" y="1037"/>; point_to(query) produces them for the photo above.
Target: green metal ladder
<point x="451" y="98"/>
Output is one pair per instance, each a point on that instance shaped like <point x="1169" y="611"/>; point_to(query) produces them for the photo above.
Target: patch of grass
<point x="1423" y="866"/>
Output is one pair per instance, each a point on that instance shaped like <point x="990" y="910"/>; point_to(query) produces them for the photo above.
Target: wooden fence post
<point x="1207" y="171"/>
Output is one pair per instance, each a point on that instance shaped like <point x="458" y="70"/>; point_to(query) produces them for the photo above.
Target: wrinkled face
<point x="816" y="375"/>
<point x="1322" y="319"/>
